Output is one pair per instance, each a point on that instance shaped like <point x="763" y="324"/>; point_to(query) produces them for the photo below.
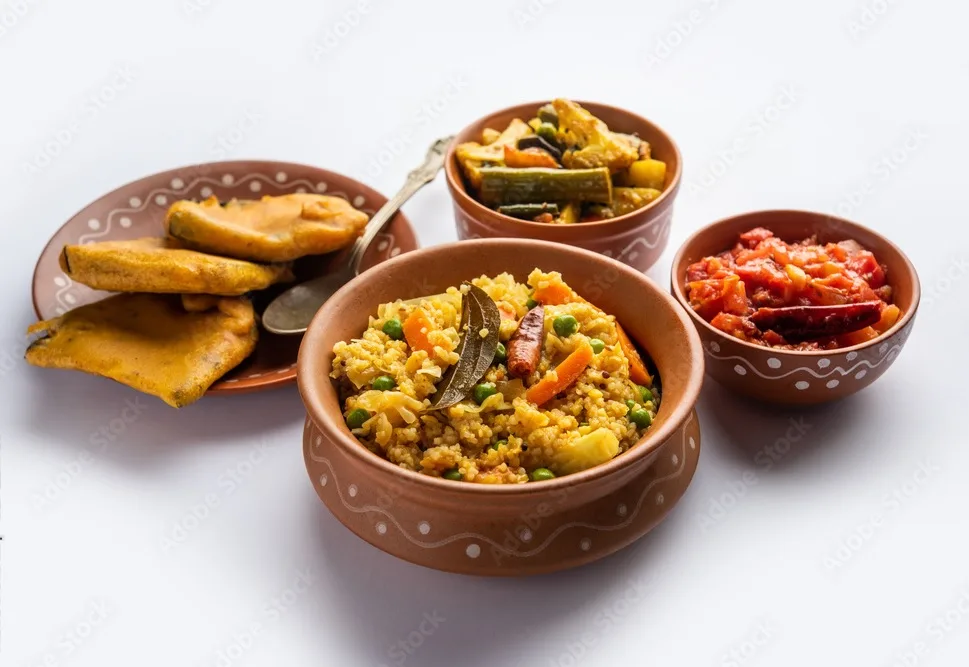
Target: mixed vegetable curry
<point x="563" y="166"/>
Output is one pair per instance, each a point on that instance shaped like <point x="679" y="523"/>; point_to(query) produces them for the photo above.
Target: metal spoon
<point x="291" y="311"/>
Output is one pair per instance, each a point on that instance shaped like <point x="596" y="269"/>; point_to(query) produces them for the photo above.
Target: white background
<point x="838" y="552"/>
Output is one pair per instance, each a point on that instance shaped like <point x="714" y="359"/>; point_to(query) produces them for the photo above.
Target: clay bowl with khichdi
<point x="500" y="406"/>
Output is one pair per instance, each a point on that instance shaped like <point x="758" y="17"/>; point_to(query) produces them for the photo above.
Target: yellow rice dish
<point x="495" y="382"/>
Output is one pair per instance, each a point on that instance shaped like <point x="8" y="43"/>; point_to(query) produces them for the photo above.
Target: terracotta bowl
<point x="794" y="377"/>
<point x="637" y="239"/>
<point x="514" y="529"/>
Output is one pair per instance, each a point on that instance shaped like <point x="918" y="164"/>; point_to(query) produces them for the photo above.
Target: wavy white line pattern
<point x="680" y="460"/>
<point x="859" y="370"/>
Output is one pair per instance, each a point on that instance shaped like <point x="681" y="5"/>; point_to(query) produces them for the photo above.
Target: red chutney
<point x="796" y="296"/>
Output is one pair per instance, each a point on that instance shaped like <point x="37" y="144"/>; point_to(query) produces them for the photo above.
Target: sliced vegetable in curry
<point x="563" y="166"/>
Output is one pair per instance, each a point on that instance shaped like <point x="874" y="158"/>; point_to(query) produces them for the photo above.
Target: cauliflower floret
<point x="598" y="146"/>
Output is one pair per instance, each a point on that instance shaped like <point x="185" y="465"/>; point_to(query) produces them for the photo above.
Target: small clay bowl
<point x="637" y="239"/>
<point x="504" y="529"/>
<point x="138" y="209"/>
<point x="795" y="377"/>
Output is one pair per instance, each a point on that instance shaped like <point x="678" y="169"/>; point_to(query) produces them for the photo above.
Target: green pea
<point x="357" y="417"/>
<point x="597" y="345"/>
<point x="541" y="474"/>
<point x="453" y="474"/>
<point x="383" y="383"/>
<point x="501" y="354"/>
<point x="498" y="444"/>
<point x="531" y="303"/>
<point x="393" y="328"/>
<point x="646" y="393"/>
<point x="640" y="418"/>
<point x="631" y="404"/>
<point x="483" y="391"/>
<point x="565" y="325"/>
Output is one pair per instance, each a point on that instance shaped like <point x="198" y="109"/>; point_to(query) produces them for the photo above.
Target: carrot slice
<point x="564" y="375"/>
<point x="637" y="369"/>
<point x="553" y="295"/>
<point x="507" y="312"/>
<point x="888" y="318"/>
<point x="416" y="327"/>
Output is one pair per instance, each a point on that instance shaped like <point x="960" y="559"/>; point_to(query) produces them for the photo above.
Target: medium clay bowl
<point x="795" y="377"/>
<point x="637" y="239"/>
<point x="515" y="529"/>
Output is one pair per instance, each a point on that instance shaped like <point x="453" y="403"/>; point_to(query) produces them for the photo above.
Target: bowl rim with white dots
<point x="847" y="227"/>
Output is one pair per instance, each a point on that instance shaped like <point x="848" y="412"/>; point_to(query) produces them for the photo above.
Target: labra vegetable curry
<point x="496" y="381"/>
<point x="563" y="166"/>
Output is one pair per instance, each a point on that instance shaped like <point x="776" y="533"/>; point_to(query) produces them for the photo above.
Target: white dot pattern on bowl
<point x="319" y="441"/>
<point x="281" y="177"/>
<point x="585" y="544"/>
<point x="381" y="527"/>
<point x="851" y="356"/>
<point x="860" y="374"/>
<point x="692" y="442"/>
<point x="94" y="224"/>
<point x="622" y="509"/>
<point x="774" y="362"/>
<point x="323" y="480"/>
<point x="228" y="179"/>
<point x="473" y="550"/>
<point x="824" y="363"/>
<point x="740" y="370"/>
<point x="255" y="186"/>
<point x="321" y="187"/>
<point x="178" y="183"/>
<point x="525" y="534"/>
<point x="831" y="384"/>
<point x="714" y="346"/>
<point x="352" y="490"/>
<point x="206" y="192"/>
<point x="161" y="200"/>
<point x="424" y="527"/>
<point x="359" y="201"/>
<point x="59" y="281"/>
<point x="125" y="222"/>
<point x="660" y="499"/>
<point x="802" y="385"/>
<point x="134" y="202"/>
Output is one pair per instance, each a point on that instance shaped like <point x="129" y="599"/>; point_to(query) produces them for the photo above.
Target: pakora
<point x="150" y="342"/>
<point x="160" y="265"/>
<point x="272" y="229"/>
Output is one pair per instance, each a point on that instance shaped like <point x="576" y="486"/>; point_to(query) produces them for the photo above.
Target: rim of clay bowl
<point x="310" y="384"/>
<point x="847" y="225"/>
<point x="459" y="189"/>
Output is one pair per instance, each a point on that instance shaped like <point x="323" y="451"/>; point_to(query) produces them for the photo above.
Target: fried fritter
<point x="272" y="229"/>
<point x="150" y="342"/>
<point x="161" y="265"/>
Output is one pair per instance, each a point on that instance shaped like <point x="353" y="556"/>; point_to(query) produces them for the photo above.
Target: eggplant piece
<point x="528" y="211"/>
<point x="503" y="185"/>
<point x="538" y="141"/>
<point x="479" y="314"/>
<point x="807" y="322"/>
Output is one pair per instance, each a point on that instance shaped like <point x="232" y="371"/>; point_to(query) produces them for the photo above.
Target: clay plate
<point x="137" y="209"/>
<point x="794" y="377"/>
<point x="514" y="529"/>
<point x="637" y="239"/>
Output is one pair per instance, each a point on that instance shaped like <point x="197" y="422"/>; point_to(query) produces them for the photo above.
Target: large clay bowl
<point x="795" y="377"/>
<point x="514" y="529"/>
<point x="637" y="239"/>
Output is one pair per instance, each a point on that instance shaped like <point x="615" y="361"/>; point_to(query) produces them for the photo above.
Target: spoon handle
<point x="416" y="179"/>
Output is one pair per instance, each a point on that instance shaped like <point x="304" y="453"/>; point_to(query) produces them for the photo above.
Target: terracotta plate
<point x="136" y="210"/>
